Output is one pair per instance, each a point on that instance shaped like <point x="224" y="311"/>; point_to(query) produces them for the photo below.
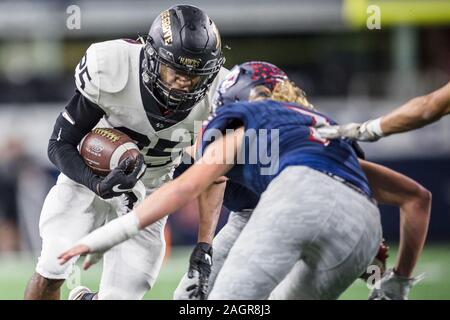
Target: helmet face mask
<point x="180" y="80"/>
<point x="182" y="56"/>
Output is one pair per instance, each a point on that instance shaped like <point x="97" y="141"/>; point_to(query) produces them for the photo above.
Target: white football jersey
<point x="109" y="76"/>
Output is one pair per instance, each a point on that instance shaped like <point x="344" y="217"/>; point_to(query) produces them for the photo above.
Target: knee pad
<point x="48" y="265"/>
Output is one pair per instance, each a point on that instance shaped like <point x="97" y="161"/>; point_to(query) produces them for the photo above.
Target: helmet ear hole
<point x="260" y="92"/>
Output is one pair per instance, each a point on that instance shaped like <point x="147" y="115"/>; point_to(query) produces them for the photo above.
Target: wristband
<point x="112" y="233"/>
<point x="374" y="126"/>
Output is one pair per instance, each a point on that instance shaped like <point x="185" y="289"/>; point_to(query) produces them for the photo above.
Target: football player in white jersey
<point x="154" y="91"/>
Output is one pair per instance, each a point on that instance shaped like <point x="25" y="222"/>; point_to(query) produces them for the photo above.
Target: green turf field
<point x="16" y="270"/>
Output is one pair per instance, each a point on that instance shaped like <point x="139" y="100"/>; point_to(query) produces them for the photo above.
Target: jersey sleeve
<point x="77" y="119"/>
<point x="104" y="69"/>
<point x="86" y="76"/>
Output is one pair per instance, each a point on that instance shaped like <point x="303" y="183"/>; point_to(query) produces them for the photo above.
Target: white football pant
<point x="70" y="212"/>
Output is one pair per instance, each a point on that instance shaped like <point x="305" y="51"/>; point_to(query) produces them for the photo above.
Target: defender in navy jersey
<point x="313" y="209"/>
<point x="297" y="144"/>
<point x="234" y="197"/>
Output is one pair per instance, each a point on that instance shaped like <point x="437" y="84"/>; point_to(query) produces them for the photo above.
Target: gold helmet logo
<point x="166" y="27"/>
<point x="188" y="62"/>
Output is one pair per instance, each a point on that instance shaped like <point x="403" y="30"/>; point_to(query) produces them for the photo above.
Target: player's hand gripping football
<point x="368" y="131"/>
<point x="199" y="269"/>
<point x="118" y="181"/>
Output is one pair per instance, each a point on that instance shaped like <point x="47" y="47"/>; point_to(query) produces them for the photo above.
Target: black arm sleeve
<point x="78" y="118"/>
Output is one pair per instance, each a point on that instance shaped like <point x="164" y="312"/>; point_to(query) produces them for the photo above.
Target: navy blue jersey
<point x="278" y="135"/>
<point x="236" y="196"/>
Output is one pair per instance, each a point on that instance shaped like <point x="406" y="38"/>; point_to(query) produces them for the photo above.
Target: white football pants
<point x="70" y="212"/>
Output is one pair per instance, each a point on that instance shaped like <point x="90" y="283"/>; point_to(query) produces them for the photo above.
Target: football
<point x="103" y="149"/>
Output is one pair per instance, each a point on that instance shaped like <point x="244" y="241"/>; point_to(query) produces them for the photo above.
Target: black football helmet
<point x="182" y="41"/>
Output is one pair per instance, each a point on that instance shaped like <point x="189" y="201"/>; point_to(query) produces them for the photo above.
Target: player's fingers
<point x="139" y="167"/>
<point x="91" y="259"/>
<point x="131" y="199"/>
<point x="66" y="256"/>
<point x="195" y="295"/>
<point x="202" y="291"/>
<point x="124" y="164"/>
<point x="220" y="180"/>
<point x="75" y="251"/>
<point x="202" y="295"/>
<point x="63" y="258"/>
<point x="86" y="265"/>
<point x="350" y="130"/>
<point x="193" y="291"/>
<point x="329" y="132"/>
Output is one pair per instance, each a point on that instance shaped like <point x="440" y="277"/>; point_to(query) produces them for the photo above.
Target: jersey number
<point x="154" y="148"/>
<point x="317" y="121"/>
<point x="82" y="66"/>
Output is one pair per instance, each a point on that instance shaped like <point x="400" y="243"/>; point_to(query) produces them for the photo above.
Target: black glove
<point x="200" y="266"/>
<point x="118" y="181"/>
<point x="131" y="200"/>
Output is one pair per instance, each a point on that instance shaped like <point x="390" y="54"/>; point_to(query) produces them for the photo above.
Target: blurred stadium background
<point x="349" y="71"/>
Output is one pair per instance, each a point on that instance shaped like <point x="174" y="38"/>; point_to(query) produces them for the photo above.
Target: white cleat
<point x="78" y="292"/>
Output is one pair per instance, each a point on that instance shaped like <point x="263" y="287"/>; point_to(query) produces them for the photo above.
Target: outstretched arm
<point x="218" y="159"/>
<point x="417" y="112"/>
<point x="414" y="114"/>
<point x="414" y="201"/>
